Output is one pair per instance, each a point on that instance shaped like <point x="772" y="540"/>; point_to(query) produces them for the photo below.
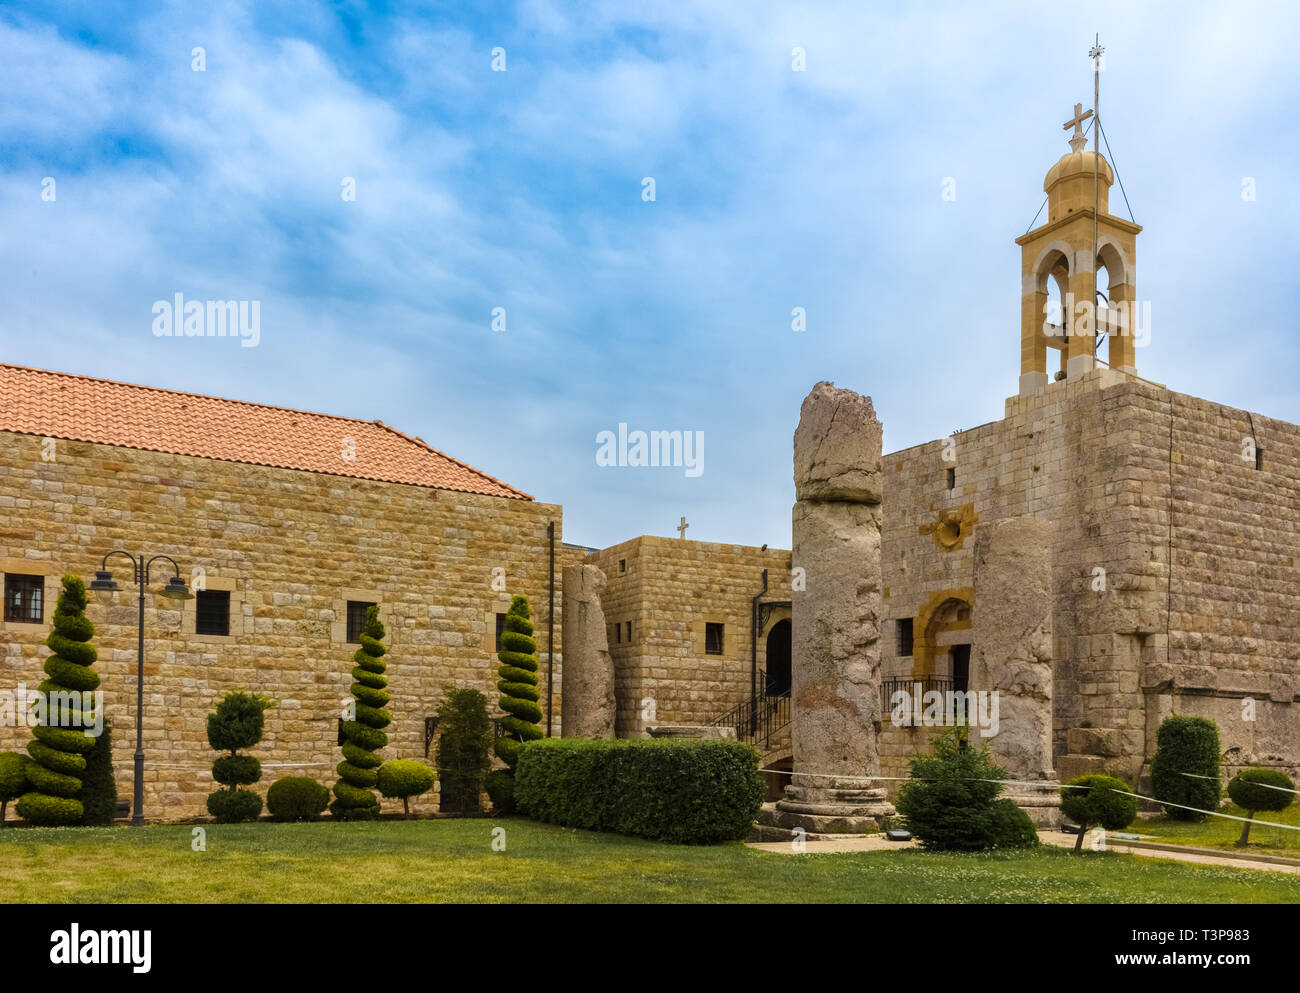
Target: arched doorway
<point x="778" y="659"/>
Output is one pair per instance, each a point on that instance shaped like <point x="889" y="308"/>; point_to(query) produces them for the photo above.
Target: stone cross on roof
<point x="1077" y="140"/>
<point x="681" y="528"/>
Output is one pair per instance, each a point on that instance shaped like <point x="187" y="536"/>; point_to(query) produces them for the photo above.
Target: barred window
<point x="713" y="638"/>
<point x="24" y="598"/>
<point x="357" y="619"/>
<point x="904" y="636"/>
<point x="212" y="612"/>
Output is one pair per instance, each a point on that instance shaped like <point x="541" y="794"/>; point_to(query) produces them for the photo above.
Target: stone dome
<point x="1073" y="164"/>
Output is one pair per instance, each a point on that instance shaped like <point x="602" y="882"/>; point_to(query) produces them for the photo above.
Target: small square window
<point x="713" y="634"/>
<point x="357" y="619"/>
<point x="212" y="612"/>
<point x="501" y="626"/>
<point x="24" y="598"/>
<point x="904" y="636"/>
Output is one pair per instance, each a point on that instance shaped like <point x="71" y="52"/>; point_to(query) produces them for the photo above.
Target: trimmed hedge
<point x="54" y="772"/>
<point x="296" y="798"/>
<point x="364" y="736"/>
<point x="683" y="792"/>
<point x="1253" y="790"/>
<point x="500" y="786"/>
<point x="1100" y="803"/>
<point x="1185" y="769"/>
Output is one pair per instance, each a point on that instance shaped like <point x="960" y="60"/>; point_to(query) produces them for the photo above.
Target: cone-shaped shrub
<point x="1185" y="770"/>
<point x="463" y="751"/>
<point x="59" y="751"/>
<point x="358" y="772"/>
<point x="518" y="683"/>
<point x="1257" y="789"/>
<point x="236" y="723"/>
<point x="98" y="794"/>
<point x="13" y="781"/>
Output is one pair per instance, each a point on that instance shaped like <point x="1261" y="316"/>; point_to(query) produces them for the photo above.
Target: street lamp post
<point x="174" y="590"/>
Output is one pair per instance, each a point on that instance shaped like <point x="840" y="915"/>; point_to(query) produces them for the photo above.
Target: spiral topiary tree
<point x="236" y="723"/>
<point x="60" y="747"/>
<point x="517" y="683"/>
<point x="364" y="735"/>
<point x="1257" y="789"/>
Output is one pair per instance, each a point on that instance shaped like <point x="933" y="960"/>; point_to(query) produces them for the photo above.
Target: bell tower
<point x="1079" y="237"/>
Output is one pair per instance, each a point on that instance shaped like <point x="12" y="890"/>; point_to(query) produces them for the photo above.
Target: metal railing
<point x="757" y="721"/>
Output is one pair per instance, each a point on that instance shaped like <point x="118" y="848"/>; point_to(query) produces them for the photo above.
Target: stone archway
<point x="940" y="625"/>
<point x="777" y="655"/>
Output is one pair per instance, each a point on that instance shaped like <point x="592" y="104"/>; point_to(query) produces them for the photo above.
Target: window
<point x="627" y="630"/>
<point x="501" y="626"/>
<point x="713" y="638"/>
<point x="24" y="598"/>
<point x="904" y="636"/>
<point x="1259" y="457"/>
<point x="357" y="619"/>
<point x="212" y="612"/>
<point x="622" y="565"/>
<point x="952" y="479"/>
<point x="618" y="633"/>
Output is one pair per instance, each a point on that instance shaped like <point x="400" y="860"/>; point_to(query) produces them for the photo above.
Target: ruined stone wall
<point x="1093" y="455"/>
<point x="291" y="547"/>
<point x="668" y="589"/>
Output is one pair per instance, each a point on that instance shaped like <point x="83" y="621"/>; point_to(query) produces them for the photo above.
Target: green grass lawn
<point x="453" y="860"/>
<point x="1219" y="832"/>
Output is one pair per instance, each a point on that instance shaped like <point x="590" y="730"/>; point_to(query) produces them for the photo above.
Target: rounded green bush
<point x="1185" y="770"/>
<point x="1098" y="801"/>
<point x="57" y="762"/>
<point x="237" y="721"/>
<point x="1250" y="789"/>
<point x="405" y="777"/>
<point x="49" y="811"/>
<point x="296" y="798"/>
<point x="233" y="806"/>
<point x="236" y="770"/>
<point x="1256" y="789"/>
<point x="500" y="786"/>
<point x="1010" y="826"/>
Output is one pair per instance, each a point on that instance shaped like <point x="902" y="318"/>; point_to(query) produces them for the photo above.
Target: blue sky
<point x="521" y="189"/>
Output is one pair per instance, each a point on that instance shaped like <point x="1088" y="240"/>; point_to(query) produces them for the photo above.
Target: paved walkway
<point x="1199" y="856"/>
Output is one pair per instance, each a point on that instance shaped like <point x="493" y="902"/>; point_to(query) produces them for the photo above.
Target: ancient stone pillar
<point x="1011" y="635"/>
<point x="835" y="696"/>
<point x="587" y="692"/>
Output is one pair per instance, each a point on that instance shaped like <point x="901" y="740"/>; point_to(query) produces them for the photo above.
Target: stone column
<point x="587" y="693"/>
<point x="835" y="697"/>
<point x="1011" y="635"/>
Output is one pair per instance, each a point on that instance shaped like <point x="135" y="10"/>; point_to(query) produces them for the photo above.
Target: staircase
<point x="763" y="722"/>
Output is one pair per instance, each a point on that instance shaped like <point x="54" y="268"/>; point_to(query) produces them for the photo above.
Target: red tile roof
<point x="79" y="408"/>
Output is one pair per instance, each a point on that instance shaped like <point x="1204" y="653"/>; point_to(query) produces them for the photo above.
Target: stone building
<point x="295" y="522"/>
<point x="1174" y="531"/>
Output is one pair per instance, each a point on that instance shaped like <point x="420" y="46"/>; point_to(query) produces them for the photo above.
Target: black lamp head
<point x="104" y="583"/>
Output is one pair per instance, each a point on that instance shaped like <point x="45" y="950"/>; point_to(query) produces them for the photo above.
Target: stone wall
<point x="667" y="589"/>
<point x="1130" y="474"/>
<point x="292" y="547"/>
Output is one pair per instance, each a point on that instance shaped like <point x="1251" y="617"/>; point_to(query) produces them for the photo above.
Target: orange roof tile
<point x="79" y="408"/>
